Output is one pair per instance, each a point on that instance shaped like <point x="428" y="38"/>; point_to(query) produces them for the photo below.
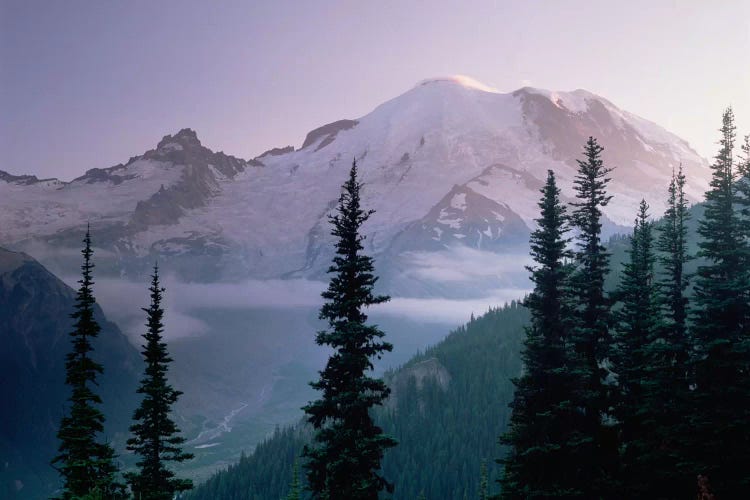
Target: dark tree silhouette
<point x="539" y="464"/>
<point x="344" y="462"/>
<point x="156" y="438"/>
<point x="596" y="449"/>
<point x="86" y="465"/>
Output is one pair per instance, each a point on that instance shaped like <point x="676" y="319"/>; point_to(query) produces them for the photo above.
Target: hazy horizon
<point x="86" y="84"/>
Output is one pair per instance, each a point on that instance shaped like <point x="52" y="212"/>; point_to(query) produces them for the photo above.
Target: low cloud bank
<point x="464" y="264"/>
<point x="122" y="302"/>
<point x="447" y="311"/>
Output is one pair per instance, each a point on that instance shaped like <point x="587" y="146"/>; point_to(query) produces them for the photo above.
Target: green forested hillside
<point x="445" y="430"/>
<point x="445" y="433"/>
<point x="449" y="405"/>
<point x="266" y="473"/>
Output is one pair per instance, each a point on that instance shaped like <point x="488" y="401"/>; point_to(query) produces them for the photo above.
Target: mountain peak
<point x="461" y="80"/>
<point x="10" y="261"/>
<point x="186" y="138"/>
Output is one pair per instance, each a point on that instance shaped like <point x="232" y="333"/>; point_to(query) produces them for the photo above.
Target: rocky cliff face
<point x="35" y="322"/>
<point x="417" y="373"/>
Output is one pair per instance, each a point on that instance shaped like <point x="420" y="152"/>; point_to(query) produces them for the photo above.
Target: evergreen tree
<point x="638" y="321"/>
<point x="595" y="449"/>
<point x="344" y="462"/>
<point x="721" y="437"/>
<point x="666" y="386"/>
<point x="156" y="437"/>
<point x="85" y="464"/>
<point x="295" y="490"/>
<point x="672" y="244"/>
<point x="538" y="463"/>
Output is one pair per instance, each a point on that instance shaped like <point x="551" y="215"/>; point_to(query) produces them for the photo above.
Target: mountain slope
<point x="447" y="164"/>
<point x="448" y="407"/>
<point x="452" y="169"/>
<point x="35" y="322"/>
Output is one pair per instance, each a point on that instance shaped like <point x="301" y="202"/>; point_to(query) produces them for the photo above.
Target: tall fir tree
<point x="86" y="465"/>
<point x="156" y="438"/>
<point x="596" y="448"/>
<point x="637" y="325"/>
<point x="539" y="464"/>
<point x="720" y="441"/>
<point x="344" y="460"/>
<point x="673" y="248"/>
<point x="666" y="386"/>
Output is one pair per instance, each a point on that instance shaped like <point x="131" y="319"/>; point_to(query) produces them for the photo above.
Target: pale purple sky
<point x="88" y="84"/>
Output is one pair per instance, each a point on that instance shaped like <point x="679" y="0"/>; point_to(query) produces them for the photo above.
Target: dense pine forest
<point x="623" y="374"/>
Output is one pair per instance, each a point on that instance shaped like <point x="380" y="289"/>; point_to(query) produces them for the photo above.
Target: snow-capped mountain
<point x="448" y="164"/>
<point x="453" y="170"/>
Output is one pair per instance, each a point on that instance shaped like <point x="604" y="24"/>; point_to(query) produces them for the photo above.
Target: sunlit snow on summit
<point x="463" y="80"/>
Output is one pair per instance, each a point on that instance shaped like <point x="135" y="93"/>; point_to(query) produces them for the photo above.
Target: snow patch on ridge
<point x="576" y="102"/>
<point x="447" y="219"/>
<point x="459" y="201"/>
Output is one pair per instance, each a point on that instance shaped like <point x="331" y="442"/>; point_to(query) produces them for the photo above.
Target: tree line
<point x="343" y="462"/>
<point x="639" y="392"/>
<point x="643" y="392"/>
